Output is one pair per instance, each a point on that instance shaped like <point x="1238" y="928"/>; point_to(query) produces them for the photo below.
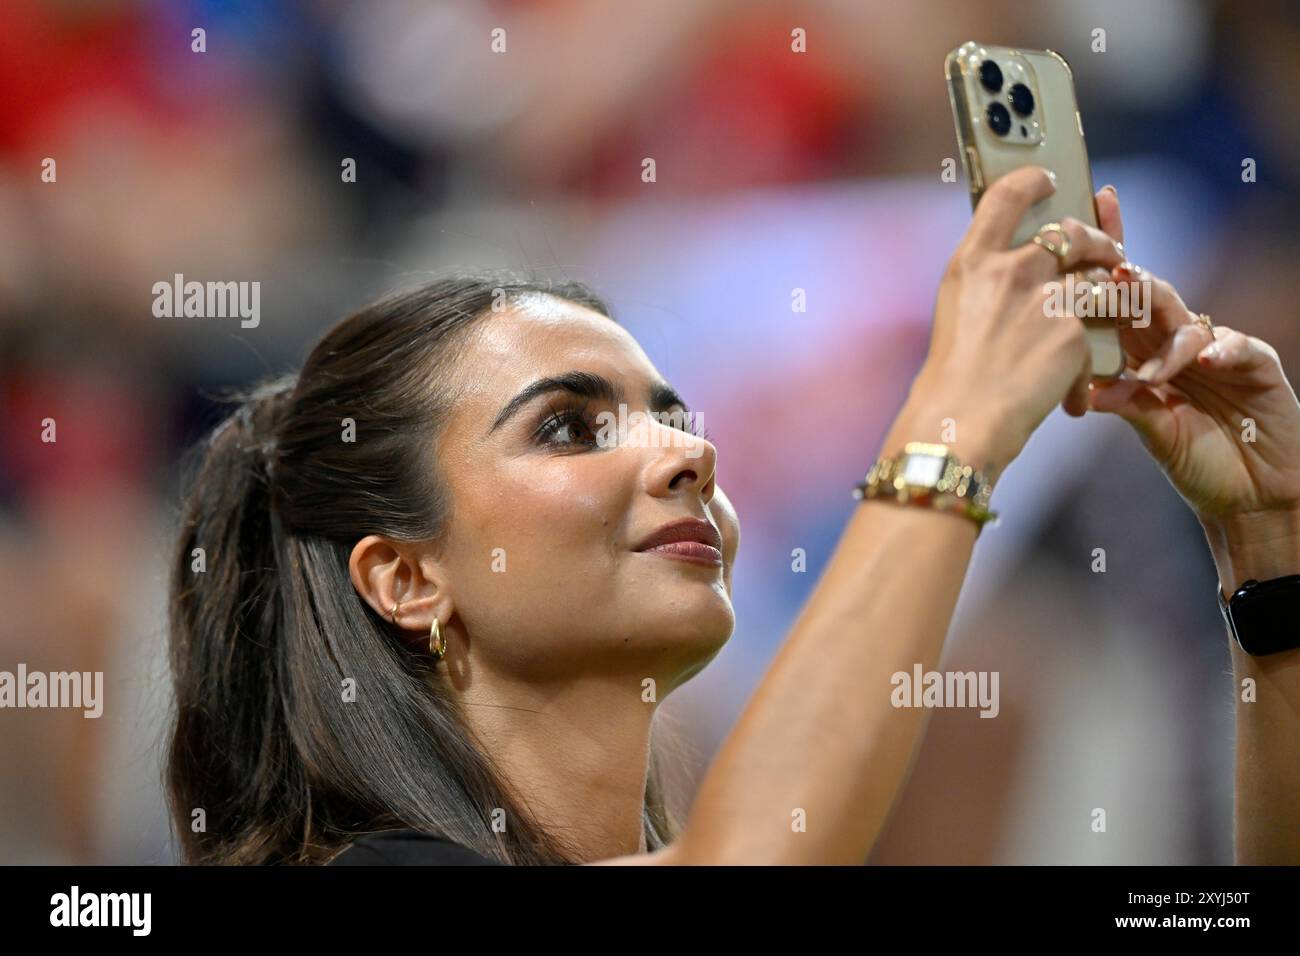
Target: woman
<point x="424" y="612"/>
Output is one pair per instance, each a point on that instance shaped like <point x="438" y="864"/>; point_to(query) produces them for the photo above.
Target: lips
<point x="690" y="538"/>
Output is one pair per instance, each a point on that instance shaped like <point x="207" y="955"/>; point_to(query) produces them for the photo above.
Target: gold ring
<point x="1203" y="320"/>
<point x="1059" y="247"/>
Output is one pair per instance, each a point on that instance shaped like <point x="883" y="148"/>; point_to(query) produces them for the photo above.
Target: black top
<point x="408" y="848"/>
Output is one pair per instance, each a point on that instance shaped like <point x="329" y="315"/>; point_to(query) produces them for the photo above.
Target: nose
<point x="679" y="463"/>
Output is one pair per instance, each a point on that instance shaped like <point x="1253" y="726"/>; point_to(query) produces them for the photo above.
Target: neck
<point x="576" y="754"/>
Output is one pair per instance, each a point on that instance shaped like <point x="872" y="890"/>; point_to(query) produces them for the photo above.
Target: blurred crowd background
<point x="775" y="170"/>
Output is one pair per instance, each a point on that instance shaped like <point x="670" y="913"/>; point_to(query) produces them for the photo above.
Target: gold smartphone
<point x="1017" y="108"/>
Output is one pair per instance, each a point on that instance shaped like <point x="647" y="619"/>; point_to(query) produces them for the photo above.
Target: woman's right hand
<point x="998" y="362"/>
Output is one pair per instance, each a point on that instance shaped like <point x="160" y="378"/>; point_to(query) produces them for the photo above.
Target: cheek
<point x="553" y="586"/>
<point x="545" y="529"/>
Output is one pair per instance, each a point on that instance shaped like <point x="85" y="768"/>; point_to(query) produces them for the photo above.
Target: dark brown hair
<point x="267" y="762"/>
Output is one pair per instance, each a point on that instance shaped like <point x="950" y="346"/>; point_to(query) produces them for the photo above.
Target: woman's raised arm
<point x="810" y="771"/>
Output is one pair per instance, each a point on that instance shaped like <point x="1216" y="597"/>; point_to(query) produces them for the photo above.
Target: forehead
<point x="541" y="335"/>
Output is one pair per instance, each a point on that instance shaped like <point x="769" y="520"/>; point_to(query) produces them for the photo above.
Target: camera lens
<point x="990" y="76"/>
<point x="999" y="119"/>
<point x="1022" y="101"/>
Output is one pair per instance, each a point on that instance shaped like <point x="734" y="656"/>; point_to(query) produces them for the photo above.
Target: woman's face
<point x="547" y="510"/>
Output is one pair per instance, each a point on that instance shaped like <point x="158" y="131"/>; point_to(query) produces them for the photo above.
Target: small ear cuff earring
<point x="437" y="640"/>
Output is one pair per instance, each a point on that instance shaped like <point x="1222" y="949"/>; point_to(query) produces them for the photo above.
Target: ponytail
<point x="226" y="615"/>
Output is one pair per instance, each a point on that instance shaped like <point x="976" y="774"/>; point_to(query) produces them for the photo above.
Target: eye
<point x="567" y="426"/>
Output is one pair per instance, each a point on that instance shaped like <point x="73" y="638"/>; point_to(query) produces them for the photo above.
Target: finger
<point x="1004" y="204"/>
<point x="1078" y="398"/>
<point x="1163" y="327"/>
<point x="1087" y="246"/>
<point x="1235" y="352"/>
<point x="1132" y="401"/>
<point x="1154" y="307"/>
<point x="1108" y="213"/>
<point x="1112" y="395"/>
<point x="1178" y="352"/>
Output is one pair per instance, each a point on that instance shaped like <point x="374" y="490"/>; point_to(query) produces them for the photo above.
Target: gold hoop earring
<point x="393" y="613"/>
<point x="437" y="641"/>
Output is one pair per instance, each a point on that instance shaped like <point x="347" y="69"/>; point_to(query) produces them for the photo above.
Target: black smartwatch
<point x="1264" y="616"/>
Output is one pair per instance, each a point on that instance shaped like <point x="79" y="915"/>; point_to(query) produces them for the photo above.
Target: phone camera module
<point x="999" y="119"/>
<point x="990" y="76"/>
<point x="1022" y="101"/>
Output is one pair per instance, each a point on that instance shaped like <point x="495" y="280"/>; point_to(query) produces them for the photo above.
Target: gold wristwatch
<point x="930" y="476"/>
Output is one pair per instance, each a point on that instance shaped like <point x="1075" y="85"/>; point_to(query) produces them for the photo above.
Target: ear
<point x="387" y="573"/>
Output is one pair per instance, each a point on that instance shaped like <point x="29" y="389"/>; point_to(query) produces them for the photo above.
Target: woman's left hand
<point x="1215" y="410"/>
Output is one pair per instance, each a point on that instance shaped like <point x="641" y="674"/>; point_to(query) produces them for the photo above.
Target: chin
<point x="689" y="635"/>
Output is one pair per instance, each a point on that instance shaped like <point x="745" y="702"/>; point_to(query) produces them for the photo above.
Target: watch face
<point x="923" y="470"/>
<point x="1264" y="616"/>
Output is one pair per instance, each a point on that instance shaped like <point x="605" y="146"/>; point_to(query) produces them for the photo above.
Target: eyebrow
<point x="586" y="385"/>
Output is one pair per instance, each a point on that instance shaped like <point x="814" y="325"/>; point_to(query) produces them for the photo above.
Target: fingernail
<point x="1113" y="190"/>
<point x="1149" y="369"/>
<point x="1052" y="176"/>
<point x="1120" y="246"/>
<point x="1211" y="352"/>
<point x="1125" y="269"/>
